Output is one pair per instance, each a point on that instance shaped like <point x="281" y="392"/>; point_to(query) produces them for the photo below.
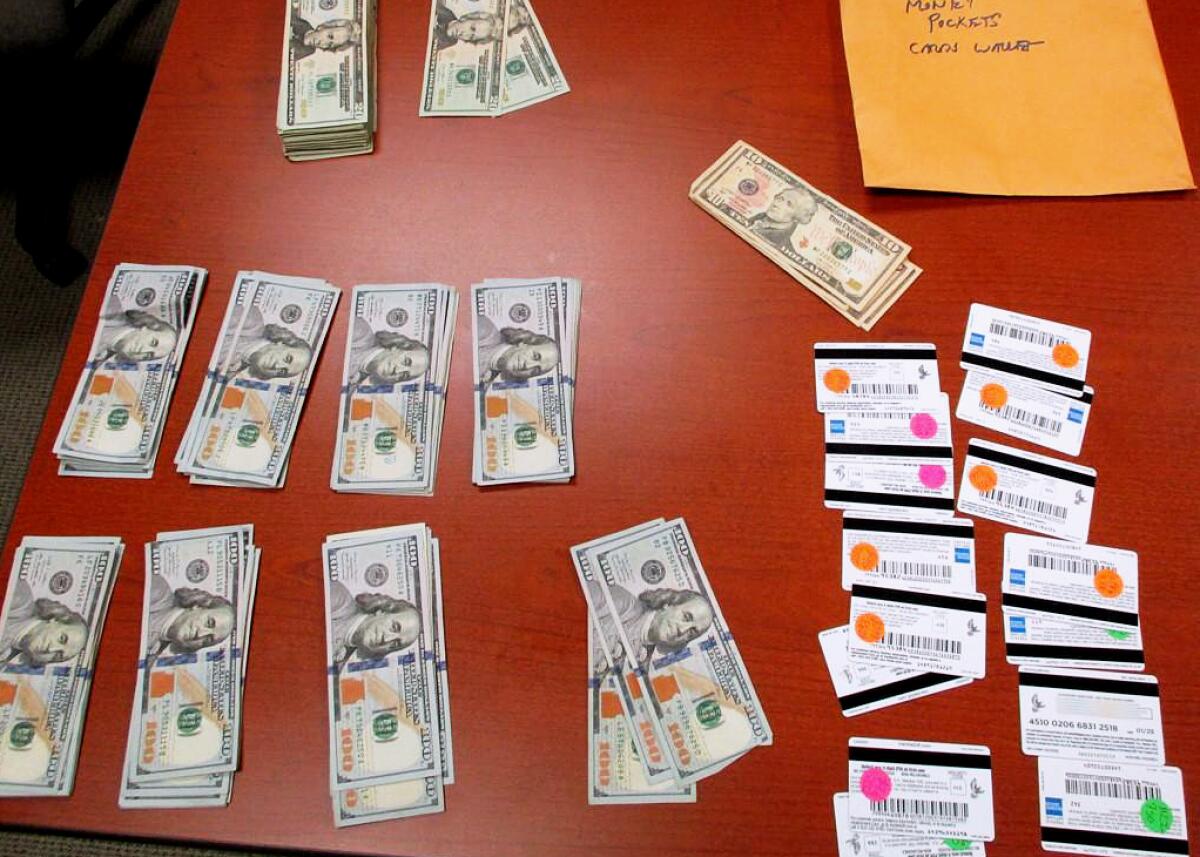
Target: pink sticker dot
<point x="923" y="426"/>
<point x="932" y="475"/>
<point x="875" y="783"/>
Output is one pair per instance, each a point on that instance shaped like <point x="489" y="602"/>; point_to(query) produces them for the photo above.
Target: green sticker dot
<point x="1118" y="635"/>
<point x="957" y="844"/>
<point x="1157" y="816"/>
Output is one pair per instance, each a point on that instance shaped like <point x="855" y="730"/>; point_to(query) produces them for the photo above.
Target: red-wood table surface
<point x="695" y="398"/>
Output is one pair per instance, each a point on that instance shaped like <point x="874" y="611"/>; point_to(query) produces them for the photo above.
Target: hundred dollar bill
<point x="841" y="255"/>
<point x="117" y="412"/>
<point x="357" y="805"/>
<point x="50" y="626"/>
<point x="383" y="724"/>
<point x="394" y="377"/>
<point x="187" y="700"/>
<point x="608" y="655"/>
<point x="442" y="685"/>
<point x="524" y="337"/>
<point x="680" y="650"/>
<point x="531" y="71"/>
<point x="182" y="792"/>
<point x="463" y="58"/>
<point x="615" y="770"/>
<point x="326" y="104"/>
<point x="241" y="431"/>
<point x="199" y="790"/>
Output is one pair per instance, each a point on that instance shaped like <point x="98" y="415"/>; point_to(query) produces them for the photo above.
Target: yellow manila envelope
<point x="1031" y="97"/>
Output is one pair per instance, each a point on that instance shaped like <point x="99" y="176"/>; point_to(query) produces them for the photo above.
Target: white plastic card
<point x="1026" y="490"/>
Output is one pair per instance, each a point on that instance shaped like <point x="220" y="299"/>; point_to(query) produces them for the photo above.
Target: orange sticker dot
<point x="993" y="396"/>
<point x="1108" y="583"/>
<point x="837" y="380"/>
<point x="1065" y="355"/>
<point x="864" y="556"/>
<point x="983" y="477"/>
<point x="869" y="628"/>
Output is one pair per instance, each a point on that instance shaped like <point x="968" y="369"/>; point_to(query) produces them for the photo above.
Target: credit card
<point x="1093" y="715"/>
<point x="851" y="844"/>
<point x="1046" y="640"/>
<point x="919" y="630"/>
<point x="861" y="374"/>
<point x="1086" y="582"/>
<point x="1111" y="810"/>
<point x="1023" y="489"/>
<point x="861" y="688"/>
<point x="936" y="554"/>
<point x="916" y="788"/>
<point x="1026" y="411"/>
<point x="1045" y="352"/>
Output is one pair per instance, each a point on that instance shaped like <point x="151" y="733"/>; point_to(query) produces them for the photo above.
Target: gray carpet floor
<point x="112" y="75"/>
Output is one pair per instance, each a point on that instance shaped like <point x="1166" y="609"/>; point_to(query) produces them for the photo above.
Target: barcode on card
<point x="1117" y="789"/>
<point x="917" y="641"/>
<point x="1028" y="418"/>
<point x="1071" y="564"/>
<point x="917" y="806"/>
<point x="883" y="390"/>
<point x="1024" y="334"/>
<point x="1027" y="504"/>
<point x="922" y="570"/>
<point x="885" y="415"/>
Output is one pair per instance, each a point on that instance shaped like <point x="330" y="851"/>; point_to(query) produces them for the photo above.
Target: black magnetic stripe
<point x="1022" y="371"/>
<point x="1099" y="685"/>
<point x="1100" y="839"/>
<point x="884" y="499"/>
<point x="898" y="688"/>
<point x="889" y="449"/>
<point x="1079" y="611"/>
<point x="1086" y="397"/>
<point x="920" y="757"/>
<point x="889" y="353"/>
<point x="999" y="457"/>
<point x="872" y="525"/>
<point x="1074" y="653"/>
<point x="928" y="599"/>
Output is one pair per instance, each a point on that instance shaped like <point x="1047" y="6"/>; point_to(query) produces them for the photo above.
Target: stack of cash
<point x="847" y="261"/>
<point x="50" y="627"/>
<point x="114" y="423"/>
<point x="243" y="424"/>
<point x="393" y="398"/>
<point x="670" y="700"/>
<point x="486" y="59"/>
<point x="327" y="84"/>
<point x="390" y="747"/>
<point x="525" y="334"/>
<point x="185" y="727"/>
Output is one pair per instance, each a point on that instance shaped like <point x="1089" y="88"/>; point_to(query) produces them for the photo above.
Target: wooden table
<point x="695" y="398"/>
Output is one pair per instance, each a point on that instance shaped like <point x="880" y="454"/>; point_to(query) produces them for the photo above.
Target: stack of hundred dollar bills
<point x="114" y="423"/>
<point x="525" y="334"/>
<point x="327" y="84"/>
<point x="393" y="397"/>
<point x="243" y="424"/>
<point x="186" y="724"/>
<point x="847" y="261"/>
<point x="669" y="698"/>
<point x="487" y="58"/>
<point x="50" y="627"/>
<point x="390" y="743"/>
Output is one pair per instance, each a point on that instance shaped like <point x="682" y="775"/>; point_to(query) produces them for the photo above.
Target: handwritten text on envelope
<point x="1037" y="97"/>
